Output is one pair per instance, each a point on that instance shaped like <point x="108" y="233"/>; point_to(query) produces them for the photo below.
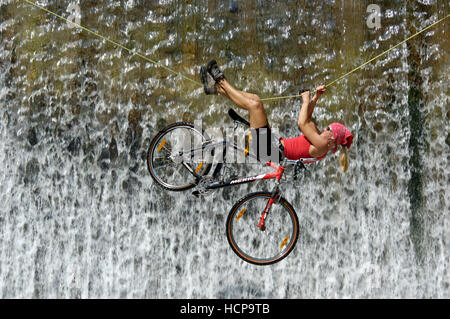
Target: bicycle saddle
<point x="236" y="117"/>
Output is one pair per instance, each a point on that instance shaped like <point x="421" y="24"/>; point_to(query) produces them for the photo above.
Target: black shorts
<point x="266" y="145"/>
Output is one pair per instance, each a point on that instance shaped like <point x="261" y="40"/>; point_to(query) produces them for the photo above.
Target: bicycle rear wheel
<point x="250" y="242"/>
<point x="174" y="149"/>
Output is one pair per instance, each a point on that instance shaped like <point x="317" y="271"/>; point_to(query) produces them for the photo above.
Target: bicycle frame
<point x="224" y="143"/>
<point x="277" y="174"/>
<point x="272" y="175"/>
<point x="198" y="159"/>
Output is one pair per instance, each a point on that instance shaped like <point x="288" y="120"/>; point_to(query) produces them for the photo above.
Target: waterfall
<point x="82" y="218"/>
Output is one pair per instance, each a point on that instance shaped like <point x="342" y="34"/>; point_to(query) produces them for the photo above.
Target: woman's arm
<point x="306" y="125"/>
<point x="319" y="91"/>
<point x="309" y="104"/>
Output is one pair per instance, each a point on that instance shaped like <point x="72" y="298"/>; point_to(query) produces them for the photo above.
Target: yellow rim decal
<point x="161" y="145"/>
<point x="240" y="214"/>
<point x="284" y="242"/>
<point x="249" y="138"/>
<point x="198" y="167"/>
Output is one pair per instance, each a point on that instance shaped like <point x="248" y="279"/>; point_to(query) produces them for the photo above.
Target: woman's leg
<point x="246" y="101"/>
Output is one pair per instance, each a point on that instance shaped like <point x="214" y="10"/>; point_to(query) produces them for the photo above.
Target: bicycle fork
<point x="272" y="200"/>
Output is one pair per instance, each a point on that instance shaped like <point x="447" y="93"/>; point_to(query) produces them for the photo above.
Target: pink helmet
<point x="341" y="134"/>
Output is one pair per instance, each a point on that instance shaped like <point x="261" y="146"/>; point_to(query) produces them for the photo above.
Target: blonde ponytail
<point x="343" y="159"/>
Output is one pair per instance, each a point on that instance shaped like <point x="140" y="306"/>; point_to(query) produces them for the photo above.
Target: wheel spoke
<point x="169" y="152"/>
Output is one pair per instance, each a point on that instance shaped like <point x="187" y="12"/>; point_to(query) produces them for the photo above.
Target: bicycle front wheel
<point x="256" y="245"/>
<point x="176" y="150"/>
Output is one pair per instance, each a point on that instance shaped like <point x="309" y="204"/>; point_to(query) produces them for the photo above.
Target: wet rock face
<point x="133" y="137"/>
<point x="74" y="146"/>
<point x="113" y="152"/>
<point x="32" y="137"/>
<point x="32" y="171"/>
<point x="234" y="6"/>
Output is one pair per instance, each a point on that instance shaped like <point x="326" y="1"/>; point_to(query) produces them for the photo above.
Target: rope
<point x="200" y="84"/>
<point x="365" y="63"/>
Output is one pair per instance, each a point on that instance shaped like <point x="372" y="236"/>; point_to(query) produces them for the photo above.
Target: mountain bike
<point x="262" y="228"/>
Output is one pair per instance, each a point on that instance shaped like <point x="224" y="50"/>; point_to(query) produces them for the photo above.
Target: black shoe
<point x="209" y="85"/>
<point x="214" y="70"/>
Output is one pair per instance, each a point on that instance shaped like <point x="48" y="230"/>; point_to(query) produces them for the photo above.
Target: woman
<point x="311" y="144"/>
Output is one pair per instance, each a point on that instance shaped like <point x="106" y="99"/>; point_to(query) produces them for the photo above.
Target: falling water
<point x="82" y="218"/>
